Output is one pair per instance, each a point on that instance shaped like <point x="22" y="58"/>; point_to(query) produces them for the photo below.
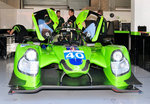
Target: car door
<point x="91" y="22"/>
<point x="45" y="22"/>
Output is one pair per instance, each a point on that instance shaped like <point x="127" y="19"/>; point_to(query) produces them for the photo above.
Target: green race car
<point x="71" y="57"/>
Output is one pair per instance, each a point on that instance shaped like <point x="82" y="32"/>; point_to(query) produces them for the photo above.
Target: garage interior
<point x="131" y="28"/>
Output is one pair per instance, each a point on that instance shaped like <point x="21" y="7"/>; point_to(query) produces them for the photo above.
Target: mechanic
<point x="100" y="12"/>
<point x="19" y="31"/>
<point x="61" y="19"/>
<point x="72" y="18"/>
<point x="46" y="24"/>
<point x="48" y="21"/>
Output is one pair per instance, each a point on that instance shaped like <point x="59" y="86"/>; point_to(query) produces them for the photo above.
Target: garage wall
<point x="7" y="15"/>
<point x="124" y="17"/>
<point x="5" y="6"/>
<point x="45" y="2"/>
<point x="114" y="4"/>
<point x="140" y="14"/>
<point x="24" y="17"/>
<point x="62" y="4"/>
<point x="78" y="4"/>
<point x="122" y="3"/>
<point x="111" y="5"/>
<point x="12" y="3"/>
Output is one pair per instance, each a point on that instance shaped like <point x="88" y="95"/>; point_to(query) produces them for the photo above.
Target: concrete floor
<point x="73" y="97"/>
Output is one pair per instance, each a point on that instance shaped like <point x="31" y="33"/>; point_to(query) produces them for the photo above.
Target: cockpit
<point x="88" y="25"/>
<point x="68" y="36"/>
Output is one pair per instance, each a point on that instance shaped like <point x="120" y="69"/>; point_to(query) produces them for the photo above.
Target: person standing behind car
<point x="72" y="18"/>
<point x="61" y="19"/>
<point x="19" y="31"/>
<point x="100" y="12"/>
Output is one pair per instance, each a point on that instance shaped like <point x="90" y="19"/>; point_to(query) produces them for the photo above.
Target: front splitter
<point x="129" y="89"/>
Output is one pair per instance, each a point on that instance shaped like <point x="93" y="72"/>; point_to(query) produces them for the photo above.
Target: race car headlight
<point x="117" y="55"/>
<point x="31" y="55"/>
<point x="28" y="65"/>
<point x="120" y="67"/>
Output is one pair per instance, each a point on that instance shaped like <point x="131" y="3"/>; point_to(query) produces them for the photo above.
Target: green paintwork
<point x="31" y="30"/>
<point x="54" y="17"/>
<point x="117" y="81"/>
<point x="98" y="29"/>
<point x="136" y="33"/>
<point x="121" y="32"/>
<point x="97" y="54"/>
<point x="81" y="18"/>
<point x="128" y="32"/>
<point x="16" y="28"/>
<point x="40" y="37"/>
<point x="30" y="80"/>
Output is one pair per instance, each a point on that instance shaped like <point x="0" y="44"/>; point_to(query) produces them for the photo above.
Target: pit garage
<point x="66" y="51"/>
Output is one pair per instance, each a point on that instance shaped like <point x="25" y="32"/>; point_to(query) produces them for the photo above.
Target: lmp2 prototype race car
<point x="65" y="59"/>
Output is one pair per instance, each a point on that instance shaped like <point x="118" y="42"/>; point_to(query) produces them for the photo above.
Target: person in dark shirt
<point x="72" y="18"/>
<point x="48" y="21"/>
<point x="19" y="31"/>
<point x="100" y="12"/>
<point x="61" y="19"/>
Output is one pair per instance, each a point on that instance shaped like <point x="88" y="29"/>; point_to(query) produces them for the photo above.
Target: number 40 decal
<point x="74" y="55"/>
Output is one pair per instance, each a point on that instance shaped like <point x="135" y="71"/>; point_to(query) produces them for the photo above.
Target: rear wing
<point x="44" y="19"/>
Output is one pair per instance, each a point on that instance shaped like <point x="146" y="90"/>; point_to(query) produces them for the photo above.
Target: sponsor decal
<point x="23" y="45"/>
<point x="74" y="55"/>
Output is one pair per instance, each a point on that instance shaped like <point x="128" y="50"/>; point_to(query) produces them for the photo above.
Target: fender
<point x="118" y="81"/>
<point x="30" y="81"/>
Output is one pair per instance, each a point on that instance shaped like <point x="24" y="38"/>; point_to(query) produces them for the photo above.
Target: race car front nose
<point x="63" y="62"/>
<point x="65" y="65"/>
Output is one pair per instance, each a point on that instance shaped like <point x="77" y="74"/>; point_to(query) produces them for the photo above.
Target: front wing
<point x="50" y="80"/>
